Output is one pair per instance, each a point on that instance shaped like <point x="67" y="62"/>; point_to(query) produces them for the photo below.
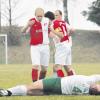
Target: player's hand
<point x="72" y="30"/>
<point x="30" y="23"/>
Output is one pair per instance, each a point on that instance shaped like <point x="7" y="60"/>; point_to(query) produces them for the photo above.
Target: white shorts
<point x="40" y="55"/>
<point x="63" y="54"/>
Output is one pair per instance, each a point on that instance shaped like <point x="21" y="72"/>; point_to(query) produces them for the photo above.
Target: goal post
<point x="3" y="41"/>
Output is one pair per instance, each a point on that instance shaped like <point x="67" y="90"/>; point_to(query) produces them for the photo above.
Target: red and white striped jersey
<point x="61" y="26"/>
<point x="39" y="32"/>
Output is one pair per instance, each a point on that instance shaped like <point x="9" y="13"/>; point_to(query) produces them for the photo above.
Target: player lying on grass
<point x="71" y="85"/>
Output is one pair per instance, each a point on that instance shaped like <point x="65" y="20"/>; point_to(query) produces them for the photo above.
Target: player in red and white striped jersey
<point x="63" y="46"/>
<point x="38" y="27"/>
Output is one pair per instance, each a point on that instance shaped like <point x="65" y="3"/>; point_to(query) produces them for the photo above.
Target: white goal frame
<point x="6" y="47"/>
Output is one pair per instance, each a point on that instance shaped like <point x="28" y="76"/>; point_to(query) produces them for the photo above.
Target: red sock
<point x="60" y="73"/>
<point x="34" y="75"/>
<point x="71" y="72"/>
<point x="42" y="74"/>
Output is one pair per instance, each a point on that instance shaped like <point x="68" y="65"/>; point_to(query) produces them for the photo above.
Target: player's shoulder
<point x="55" y="20"/>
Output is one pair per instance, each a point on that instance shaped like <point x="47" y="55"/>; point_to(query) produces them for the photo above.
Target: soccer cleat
<point x="3" y="92"/>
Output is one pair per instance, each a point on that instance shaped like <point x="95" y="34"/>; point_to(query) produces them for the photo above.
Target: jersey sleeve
<point x="68" y="27"/>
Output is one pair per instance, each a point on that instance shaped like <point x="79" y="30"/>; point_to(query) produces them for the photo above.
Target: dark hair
<point x="50" y="15"/>
<point x="93" y="91"/>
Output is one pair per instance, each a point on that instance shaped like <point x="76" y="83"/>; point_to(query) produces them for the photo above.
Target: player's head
<point x="50" y="15"/>
<point x="94" y="89"/>
<point x="39" y="13"/>
<point x="58" y="14"/>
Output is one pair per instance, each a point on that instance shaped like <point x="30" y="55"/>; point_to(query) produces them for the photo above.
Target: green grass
<point x="11" y="75"/>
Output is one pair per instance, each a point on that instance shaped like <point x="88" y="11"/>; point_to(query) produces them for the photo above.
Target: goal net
<point x="3" y="49"/>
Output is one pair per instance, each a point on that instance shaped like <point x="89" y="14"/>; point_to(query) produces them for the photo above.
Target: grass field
<point x="11" y="75"/>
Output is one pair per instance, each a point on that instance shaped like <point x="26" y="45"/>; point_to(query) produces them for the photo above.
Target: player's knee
<point x="44" y="68"/>
<point x="35" y="66"/>
<point x="57" y="67"/>
<point x="67" y="67"/>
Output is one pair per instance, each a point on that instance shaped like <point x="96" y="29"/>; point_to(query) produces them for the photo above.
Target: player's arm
<point x="71" y="30"/>
<point x="93" y="79"/>
<point x="27" y="26"/>
<point x="96" y="78"/>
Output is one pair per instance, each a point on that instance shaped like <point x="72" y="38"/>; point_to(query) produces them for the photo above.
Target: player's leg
<point x="44" y="60"/>
<point x="68" y="67"/>
<point x="35" y="57"/>
<point x="45" y="87"/>
<point x="58" y="70"/>
<point x="54" y="71"/>
<point x="40" y="87"/>
<point x="92" y="79"/>
<point x="43" y="72"/>
<point x="59" y="61"/>
<point x="35" y="88"/>
<point x="69" y="70"/>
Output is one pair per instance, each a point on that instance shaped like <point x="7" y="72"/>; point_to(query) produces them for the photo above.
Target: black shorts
<point x="52" y="86"/>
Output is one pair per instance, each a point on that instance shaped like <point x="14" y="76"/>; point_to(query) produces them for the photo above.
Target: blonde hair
<point x="39" y="10"/>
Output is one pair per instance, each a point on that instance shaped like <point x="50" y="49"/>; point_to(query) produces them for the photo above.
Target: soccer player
<point x="38" y="28"/>
<point x="70" y="85"/>
<point x="63" y="45"/>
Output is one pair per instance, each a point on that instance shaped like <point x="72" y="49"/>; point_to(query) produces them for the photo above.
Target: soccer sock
<point x="71" y="72"/>
<point x="19" y="90"/>
<point x="34" y="75"/>
<point x="42" y="74"/>
<point x="60" y="73"/>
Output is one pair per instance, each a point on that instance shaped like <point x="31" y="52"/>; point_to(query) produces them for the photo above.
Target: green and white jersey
<point x="74" y="85"/>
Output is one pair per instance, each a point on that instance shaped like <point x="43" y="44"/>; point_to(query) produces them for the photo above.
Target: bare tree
<point x="65" y="2"/>
<point x="10" y="14"/>
<point x="8" y="10"/>
<point x="9" y="7"/>
<point x="0" y="16"/>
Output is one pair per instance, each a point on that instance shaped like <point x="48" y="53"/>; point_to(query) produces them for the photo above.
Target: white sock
<point x="19" y="90"/>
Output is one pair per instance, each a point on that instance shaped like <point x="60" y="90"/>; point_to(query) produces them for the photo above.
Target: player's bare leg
<point x="58" y="69"/>
<point x="69" y="70"/>
<point x="54" y="72"/>
<point x="32" y="89"/>
<point x="35" y="88"/>
<point x="43" y="72"/>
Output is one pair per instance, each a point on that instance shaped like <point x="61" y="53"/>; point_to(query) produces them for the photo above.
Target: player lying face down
<point x="71" y="85"/>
